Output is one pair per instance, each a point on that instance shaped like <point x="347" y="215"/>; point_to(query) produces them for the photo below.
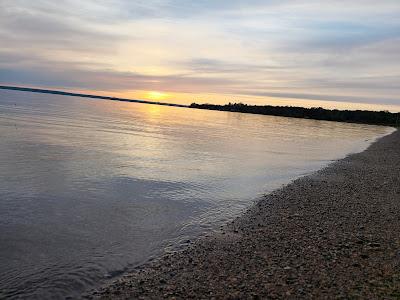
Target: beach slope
<point x="333" y="234"/>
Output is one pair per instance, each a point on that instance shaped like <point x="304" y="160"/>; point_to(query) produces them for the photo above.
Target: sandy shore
<point x="334" y="234"/>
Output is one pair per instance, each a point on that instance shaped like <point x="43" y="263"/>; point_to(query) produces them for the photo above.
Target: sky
<point x="333" y="53"/>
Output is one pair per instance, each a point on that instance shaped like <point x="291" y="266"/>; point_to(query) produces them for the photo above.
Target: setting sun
<point x="153" y="95"/>
<point x="199" y="149"/>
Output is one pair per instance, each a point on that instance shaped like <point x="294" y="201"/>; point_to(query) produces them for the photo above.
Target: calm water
<point x="91" y="188"/>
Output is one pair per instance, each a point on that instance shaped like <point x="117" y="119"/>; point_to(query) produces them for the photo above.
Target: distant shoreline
<point x="64" y="93"/>
<point x="384" y="118"/>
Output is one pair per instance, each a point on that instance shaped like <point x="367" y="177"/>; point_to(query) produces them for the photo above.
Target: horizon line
<point x="92" y="96"/>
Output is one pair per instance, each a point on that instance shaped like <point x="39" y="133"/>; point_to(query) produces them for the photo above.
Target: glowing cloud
<point x="251" y="51"/>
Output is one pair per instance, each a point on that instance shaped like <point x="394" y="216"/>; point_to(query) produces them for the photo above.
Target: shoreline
<point x="89" y="96"/>
<point x="332" y="234"/>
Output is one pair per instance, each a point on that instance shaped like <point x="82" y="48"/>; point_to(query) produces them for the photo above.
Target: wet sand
<point x="333" y="234"/>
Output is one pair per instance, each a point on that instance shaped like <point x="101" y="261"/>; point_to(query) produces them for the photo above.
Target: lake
<point x="90" y="189"/>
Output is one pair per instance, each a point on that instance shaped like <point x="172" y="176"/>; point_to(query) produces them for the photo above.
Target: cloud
<point x="257" y="48"/>
<point x="34" y="27"/>
<point x="64" y="76"/>
<point x="326" y="97"/>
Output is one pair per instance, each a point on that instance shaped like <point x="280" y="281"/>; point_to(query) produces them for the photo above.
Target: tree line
<point x="316" y="113"/>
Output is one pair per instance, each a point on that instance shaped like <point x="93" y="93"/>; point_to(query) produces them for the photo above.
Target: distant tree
<point x="317" y="113"/>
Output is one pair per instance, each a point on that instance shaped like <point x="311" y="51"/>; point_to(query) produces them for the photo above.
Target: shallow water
<point x="89" y="189"/>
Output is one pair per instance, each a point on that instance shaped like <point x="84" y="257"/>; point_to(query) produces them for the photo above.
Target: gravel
<point x="333" y="234"/>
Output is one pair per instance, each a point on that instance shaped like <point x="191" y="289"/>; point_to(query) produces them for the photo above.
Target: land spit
<point x="333" y="234"/>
